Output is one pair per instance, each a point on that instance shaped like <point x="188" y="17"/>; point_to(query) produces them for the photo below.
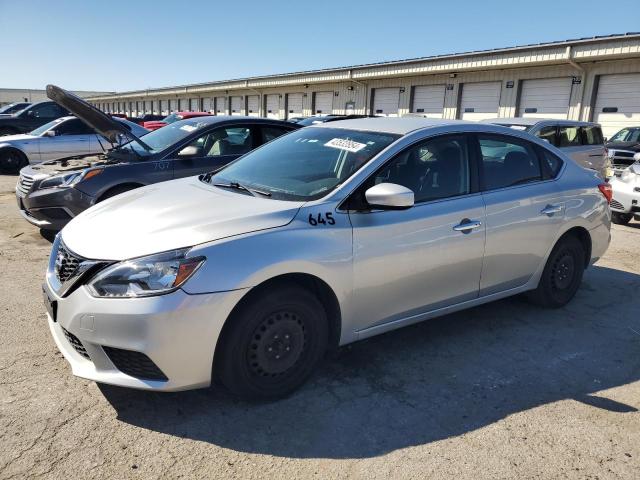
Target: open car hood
<point x="99" y="121"/>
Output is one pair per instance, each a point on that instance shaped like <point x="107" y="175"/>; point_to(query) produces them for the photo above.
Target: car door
<point x="524" y="211"/>
<point x="213" y="149"/>
<point x="592" y="147"/>
<point x="408" y="262"/>
<point x="72" y="137"/>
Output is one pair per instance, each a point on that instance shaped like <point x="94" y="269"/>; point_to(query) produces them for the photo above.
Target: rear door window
<point x="569" y="137"/>
<point x="508" y="162"/>
<point x="548" y="134"/>
<point x="592" y="136"/>
<point x="269" y="133"/>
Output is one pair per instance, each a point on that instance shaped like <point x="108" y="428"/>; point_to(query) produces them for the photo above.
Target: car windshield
<point x="164" y="137"/>
<point x="40" y="130"/>
<point x="306" y="164"/>
<point x="13" y="108"/>
<point x="174" y="117"/>
<point x="626" y="135"/>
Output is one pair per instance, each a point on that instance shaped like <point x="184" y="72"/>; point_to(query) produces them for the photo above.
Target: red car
<point x="174" y="117"/>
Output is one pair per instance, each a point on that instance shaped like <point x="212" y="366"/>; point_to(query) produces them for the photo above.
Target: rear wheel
<point x="562" y="274"/>
<point x="11" y="161"/>
<point x="621" y="218"/>
<point x="273" y="343"/>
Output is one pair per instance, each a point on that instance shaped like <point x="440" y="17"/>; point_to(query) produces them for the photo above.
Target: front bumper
<point x="178" y="332"/>
<point x="52" y="208"/>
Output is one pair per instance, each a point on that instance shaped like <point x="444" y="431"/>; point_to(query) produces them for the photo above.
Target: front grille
<point x="66" y="264"/>
<point x="615" y="204"/>
<point x="25" y="182"/>
<point x="136" y="364"/>
<point x="76" y="343"/>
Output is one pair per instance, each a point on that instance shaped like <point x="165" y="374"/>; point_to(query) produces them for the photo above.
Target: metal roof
<point x="530" y="46"/>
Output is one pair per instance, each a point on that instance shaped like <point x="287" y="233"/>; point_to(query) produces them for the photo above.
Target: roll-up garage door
<point x="545" y="98"/>
<point x="617" y="102"/>
<point x="206" y="105"/>
<point x="428" y="100"/>
<point x="236" y="105"/>
<point x="253" y="105"/>
<point x="273" y="106"/>
<point x="294" y="105"/>
<point x="386" y="102"/>
<point x="221" y="105"/>
<point x="323" y="103"/>
<point x="173" y="105"/>
<point x="194" y="104"/>
<point x="480" y="100"/>
<point x="164" y="107"/>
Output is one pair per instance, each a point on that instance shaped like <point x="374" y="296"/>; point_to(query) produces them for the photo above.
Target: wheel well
<point x="12" y="149"/>
<point x="310" y="282"/>
<point x="581" y="234"/>
<point x="123" y="187"/>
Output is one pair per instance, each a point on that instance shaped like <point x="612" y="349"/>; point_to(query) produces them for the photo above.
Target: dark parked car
<point x="305" y="122"/>
<point x="13" y="108"/>
<point x="622" y="146"/>
<point x="51" y="193"/>
<point x="31" y="118"/>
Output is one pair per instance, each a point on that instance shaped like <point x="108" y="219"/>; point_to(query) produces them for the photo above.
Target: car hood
<point x="16" y="138"/>
<point x="170" y="215"/>
<point x="98" y="120"/>
<point x="624" y="145"/>
<point x="70" y="164"/>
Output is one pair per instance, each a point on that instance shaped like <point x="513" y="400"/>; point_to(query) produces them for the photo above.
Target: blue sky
<point x="136" y="44"/>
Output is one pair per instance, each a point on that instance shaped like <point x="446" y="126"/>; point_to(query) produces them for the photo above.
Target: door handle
<point x="466" y="225"/>
<point x="551" y="209"/>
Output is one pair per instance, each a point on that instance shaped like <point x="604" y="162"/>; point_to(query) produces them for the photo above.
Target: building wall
<point x="11" y="95"/>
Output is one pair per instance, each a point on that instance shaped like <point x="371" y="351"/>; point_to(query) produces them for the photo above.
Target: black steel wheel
<point x="272" y="343"/>
<point x="562" y="274"/>
<point x="11" y="161"/>
<point x="621" y="218"/>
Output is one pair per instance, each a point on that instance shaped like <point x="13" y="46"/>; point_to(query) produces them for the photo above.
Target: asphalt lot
<point x="505" y="390"/>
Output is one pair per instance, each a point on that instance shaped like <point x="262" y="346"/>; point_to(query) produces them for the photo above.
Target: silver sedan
<point x="324" y="236"/>
<point x="60" y="138"/>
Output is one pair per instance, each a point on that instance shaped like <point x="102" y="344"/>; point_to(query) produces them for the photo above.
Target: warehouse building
<point x="12" y="95"/>
<point x="595" y="79"/>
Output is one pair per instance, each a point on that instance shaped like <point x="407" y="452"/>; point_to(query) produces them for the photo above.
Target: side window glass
<point x="548" y="134"/>
<point x="436" y="169"/>
<point x="593" y="136"/>
<point x="74" y="127"/>
<point x="269" y="133"/>
<point x="46" y="111"/>
<point x="224" y="141"/>
<point x="568" y="137"/>
<point x="551" y="164"/>
<point x="507" y="162"/>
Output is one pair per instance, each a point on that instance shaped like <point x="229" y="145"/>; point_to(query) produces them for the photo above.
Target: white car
<point x="60" y="138"/>
<point x="324" y="236"/>
<point x="625" y="203"/>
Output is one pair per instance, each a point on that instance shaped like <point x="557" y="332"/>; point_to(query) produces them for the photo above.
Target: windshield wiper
<point x="239" y="186"/>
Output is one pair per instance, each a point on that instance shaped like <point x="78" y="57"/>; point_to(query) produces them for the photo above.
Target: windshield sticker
<point x="188" y="128"/>
<point x="343" y="144"/>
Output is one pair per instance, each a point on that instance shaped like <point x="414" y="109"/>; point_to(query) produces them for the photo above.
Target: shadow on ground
<point x="427" y="382"/>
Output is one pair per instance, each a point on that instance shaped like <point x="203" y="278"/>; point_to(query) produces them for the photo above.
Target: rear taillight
<point x="606" y="190"/>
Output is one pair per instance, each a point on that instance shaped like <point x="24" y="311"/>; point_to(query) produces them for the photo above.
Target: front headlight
<point x="69" y="179"/>
<point x="145" y="276"/>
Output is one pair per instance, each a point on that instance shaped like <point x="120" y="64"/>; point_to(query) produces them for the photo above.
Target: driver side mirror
<point x="190" y="151"/>
<point x="389" y="196"/>
<point x="50" y="133"/>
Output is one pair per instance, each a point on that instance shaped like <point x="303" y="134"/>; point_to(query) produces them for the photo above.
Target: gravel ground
<point x="506" y="390"/>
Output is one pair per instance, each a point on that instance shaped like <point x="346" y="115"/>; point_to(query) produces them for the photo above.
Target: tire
<point x="116" y="191"/>
<point x="272" y="344"/>
<point x="621" y="218"/>
<point x="562" y="274"/>
<point x="11" y="161"/>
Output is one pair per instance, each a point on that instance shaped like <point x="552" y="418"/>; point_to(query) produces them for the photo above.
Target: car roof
<point x="530" y="121"/>
<point x="397" y="125"/>
<point x="212" y="119"/>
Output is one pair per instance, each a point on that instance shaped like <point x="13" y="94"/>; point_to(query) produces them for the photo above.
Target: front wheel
<point x="621" y="218"/>
<point x="273" y="343"/>
<point x="562" y="274"/>
<point x="11" y="161"/>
